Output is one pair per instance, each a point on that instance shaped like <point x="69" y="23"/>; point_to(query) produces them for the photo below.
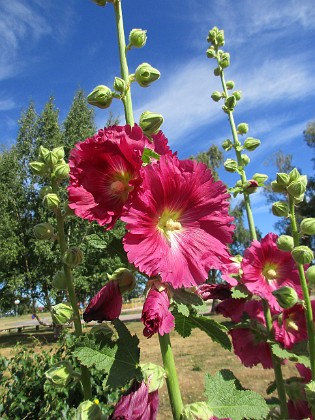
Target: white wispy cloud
<point x="7" y="104"/>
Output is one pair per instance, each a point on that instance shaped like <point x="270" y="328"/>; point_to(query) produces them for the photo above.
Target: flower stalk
<point x="171" y="376"/>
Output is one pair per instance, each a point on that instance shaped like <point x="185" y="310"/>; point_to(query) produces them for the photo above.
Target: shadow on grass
<point x="45" y="336"/>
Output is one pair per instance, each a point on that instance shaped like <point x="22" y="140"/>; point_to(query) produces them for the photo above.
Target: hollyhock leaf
<point x="285" y="354"/>
<point x="213" y="329"/>
<point x="227" y="401"/>
<point x="240" y="292"/>
<point x="183" y="309"/>
<point x="187" y="298"/>
<point x="197" y="411"/>
<point x="310" y="393"/>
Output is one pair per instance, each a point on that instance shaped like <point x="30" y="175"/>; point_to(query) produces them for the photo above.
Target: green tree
<point x="213" y="158"/>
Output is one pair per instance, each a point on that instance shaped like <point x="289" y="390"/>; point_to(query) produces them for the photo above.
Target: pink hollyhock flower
<point x="104" y="173"/>
<point x="106" y="304"/>
<point x="137" y="404"/>
<point x="266" y="268"/>
<point x="231" y="270"/>
<point x="232" y="308"/>
<point x="290" y="326"/>
<point x="297" y="403"/>
<point x="156" y="316"/>
<point x="214" y="291"/>
<point x="178" y="223"/>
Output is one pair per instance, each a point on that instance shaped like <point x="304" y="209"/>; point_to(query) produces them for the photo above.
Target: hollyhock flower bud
<point x="283" y="179"/>
<point x="44" y="231"/>
<point x="153" y="376"/>
<point x="227" y="145"/>
<point x="296" y="188"/>
<point x="251" y="144"/>
<point x="237" y="95"/>
<point x="286" y="296"/>
<point x="230" y="165"/>
<point x="42" y="153"/>
<point x="216" y="96"/>
<point x="101" y="96"/>
<point x="156" y="316"/>
<point x="260" y="178"/>
<point x="251" y="186"/>
<point x="302" y="254"/>
<point x="119" y="85"/>
<point x="310" y="274"/>
<point x="294" y="175"/>
<point x="229" y="104"/>
<point x="150" y="122"/>
<point x="73" y="257"/>
<point x="137" y="403"/>
<point x="138" y="38"/>
<point x="62" y="313"/>
<point x="88" y="410"/>
<point x="59" y="152"/>
<point x="280" y="209"/>
<point x="106" y="304"/>
<point x="285" y="243"/>
<point x="220" y="38"/>
<point x="146" y="74"/>
<point x="59" y="281"/>
<point x="62" y="171"/>
<point x="214" y="291"/>
<point x="51" y="201"/>
<point x="44" y="191"/>
<point x="39" y="168"/>
<point x="51" y="159"/>
<point x="307" y="226"/>
<point x="60" y="374"/>
<point x="245" y="160"/>
<point x="211" y="52"/>
<point x="100" y="2"/>
<point x="242" y="128"/>
<point x="212" y="35"/>
<point x="197" y="411"/>
<point x="230" y="84"/>
<point x="277" y="188"/>
<point x="126" y="280"/>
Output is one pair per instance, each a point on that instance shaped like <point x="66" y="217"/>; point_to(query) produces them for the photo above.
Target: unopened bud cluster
<point x="294" y="184"/>
<point x="51" y="163"/>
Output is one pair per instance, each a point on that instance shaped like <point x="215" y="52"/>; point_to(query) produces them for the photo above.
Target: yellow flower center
<point x="169" y="224"/>
<point x="270" y="271"/>
<point x="291" y="324"/>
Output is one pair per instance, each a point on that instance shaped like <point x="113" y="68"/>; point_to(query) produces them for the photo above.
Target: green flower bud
<point x="251" y="144"/>
<point x="211" y="52"/>
<point x="296" y="188"/>
<point x="101" y="96"/>
<point x="212" y="35"/>
<point x="237" y="94"/>
<point x="229" y="104"/>
<point x="73" y="257"/>
<point x="88" y="410"/>
<point x="150" y="122"/>
<point x="51" y="201"/>
<point x="62" y="313"/>
<point x="286" y="297"/>
<point x="302" y="254"/>
<point x="39" y="168"/>
<point x="227" y="145"/>
<point x="197" y="411"/>
<point x="280" y="209"/>
<point x="125" y="278"/>
<point x="245" y="160"/>
<point x="307" y="226"/>
<point x="294" y="174"/>
<point x="153" y="376"/>
<point x="51" y="159"/>
<point x="283" y="179"/>
<point x="224" y="60"/>
<point x="242" y="128"/>
<point x="260" y="178"/>
<point x="277" y="188"/>
<point x="138" y="38"/>
<point x="42" y="153"/>
<point x="217" y="71"/>
<point x="220" y="38"/>
<point x="44" y="191"/>
<point x="59" y="152"/>
<point x="230" y="165"/>
<point x="43" y="231"/>
<point x="310" y="274"/>
<point x="100" y="2"/>
<point x="62" y="171"/>
<point x="299" y="199"/>
<point x="146" y="74"/>
<point x="59" y="281"/>
<point x="119" y="85"/>
<point x="60" y="374"/>
<point x="216" y="96"/>
<point x="230" y="85"/>
<point x="285" y="243"/>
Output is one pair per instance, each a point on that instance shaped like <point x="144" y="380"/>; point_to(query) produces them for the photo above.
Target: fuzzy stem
<point x="85" y="374"/>
<point x="171" y="376"/>
<point x="306" y="295"/>
<point x="123" y="62"/>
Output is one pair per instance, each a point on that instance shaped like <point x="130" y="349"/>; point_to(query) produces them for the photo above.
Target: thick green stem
<point x="123" y="62"/>
<point x="85" y="374"/>
<point x="171" y="376"/>
<point x="306" y="295"/>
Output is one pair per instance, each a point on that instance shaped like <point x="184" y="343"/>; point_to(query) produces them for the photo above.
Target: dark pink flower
<point x="178" y="224"/>
<point x="104" y="173"/>
<point x="266" y="268"/>
<point x="137" y="404"/>
<point x="214" y="291"/>
<point x="231" y="270"/>
<point x="106" y="304"/>
<point x="232" y="308"/>
<point x="297" y="403"/>
<point x="156" y="316"/>
<point x="290" y="326"/>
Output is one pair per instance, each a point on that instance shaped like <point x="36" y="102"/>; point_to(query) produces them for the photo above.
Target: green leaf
<point x="186" y="297"/>
<point x="240" y="292"/>
<point x="213" y="329"/>
<point x="285" y="354"/>
<point x="118" y="359"/>
<point x="183" y="309"/>
<point x="226" y="400"/>
<point x="96" y="241"/>
<point x="148" y="154"/>
<point x="310" y="393"/>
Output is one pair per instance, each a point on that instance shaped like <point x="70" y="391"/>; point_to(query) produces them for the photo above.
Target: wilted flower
<point x="156" y="315"/>
<point x="178" y="224"/>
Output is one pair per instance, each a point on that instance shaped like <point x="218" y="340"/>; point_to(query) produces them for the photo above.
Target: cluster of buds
<point x="294" y="184"/>
<point x="51" y="163"/>
<point x="250" y="186"/>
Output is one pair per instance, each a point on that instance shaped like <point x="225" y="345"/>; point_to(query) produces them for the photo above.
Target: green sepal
<point x="197" y="411"/>
<point x="153" y="376"/>
<point x="149" y="154"/>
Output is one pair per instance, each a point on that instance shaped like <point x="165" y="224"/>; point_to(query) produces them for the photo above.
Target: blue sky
<point x="54" y="48"/>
